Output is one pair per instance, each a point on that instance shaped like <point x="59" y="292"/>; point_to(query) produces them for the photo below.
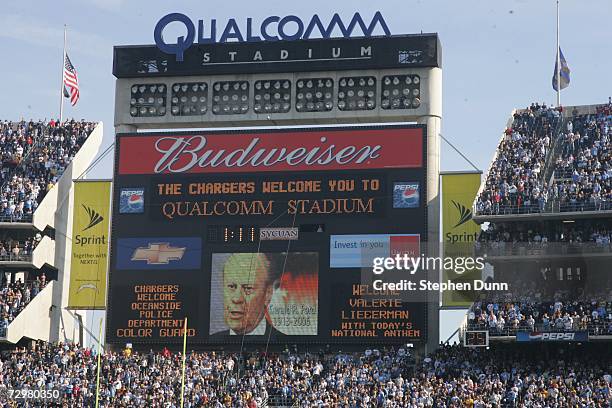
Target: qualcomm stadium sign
<point x="272" y="28"/>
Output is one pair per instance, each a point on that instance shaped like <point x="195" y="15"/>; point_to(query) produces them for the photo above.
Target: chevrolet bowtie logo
<point x="158" y="254"/>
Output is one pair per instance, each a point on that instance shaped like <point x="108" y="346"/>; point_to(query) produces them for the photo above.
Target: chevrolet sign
<point x="159" y="253"/>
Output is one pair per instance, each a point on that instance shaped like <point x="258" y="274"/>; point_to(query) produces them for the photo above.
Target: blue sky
<point x="497" y="55"/>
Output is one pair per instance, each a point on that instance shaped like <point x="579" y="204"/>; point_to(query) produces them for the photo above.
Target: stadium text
<point x="384" y="315"/>
<point x="272" y="28"/>
<point x="172" y="210"/>
<point x="154" y="309"/>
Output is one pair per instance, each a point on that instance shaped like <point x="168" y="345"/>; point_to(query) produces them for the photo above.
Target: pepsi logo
<point x="406" y="195"/>
<point x="131" y="201"/>
<point x="136" y="200"/>
<point x="535" y="336"/>
<point x="410" y="193"/>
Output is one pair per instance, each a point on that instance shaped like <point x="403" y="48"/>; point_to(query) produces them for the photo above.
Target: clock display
<point x="235" y="234"/>
<point x="476" y="339"/>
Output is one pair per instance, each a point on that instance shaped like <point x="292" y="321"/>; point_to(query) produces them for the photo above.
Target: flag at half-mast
<point x="71" y="81"/>
<point x="565" y="73"/>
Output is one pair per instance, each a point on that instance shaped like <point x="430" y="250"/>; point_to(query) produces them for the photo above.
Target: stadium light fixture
<point x="272" y="96"/>
<point x="230" y="97"/>
<point x="401" y="92"/>
<point x="189" y="98"/>
<point x="148" y="100"/>
<point x="314" y="95"/>
<point x="357" y="93"/>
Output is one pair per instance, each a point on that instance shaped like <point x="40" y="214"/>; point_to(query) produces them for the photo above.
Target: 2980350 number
<point x="31" y="394"/>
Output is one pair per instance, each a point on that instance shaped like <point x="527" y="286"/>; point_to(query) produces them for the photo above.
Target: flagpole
<point x="183" y="376"/>
<point x="62" y="77"/>
<point x="558" y="61"/>
<point x="98" y="369"/>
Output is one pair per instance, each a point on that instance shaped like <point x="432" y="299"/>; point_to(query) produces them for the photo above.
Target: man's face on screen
<point x="246" y="291"/>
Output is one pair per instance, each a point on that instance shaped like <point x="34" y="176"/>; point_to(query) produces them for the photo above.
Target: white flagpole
<point x="62" y="77"/>
<point x="558" y="61"/>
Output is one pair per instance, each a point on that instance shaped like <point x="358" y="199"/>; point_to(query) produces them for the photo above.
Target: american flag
<point x="71" y="81"/>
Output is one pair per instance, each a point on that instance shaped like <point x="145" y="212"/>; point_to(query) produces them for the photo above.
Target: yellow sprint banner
<point x="90" y="238"/>
<point x="459" y="231"/>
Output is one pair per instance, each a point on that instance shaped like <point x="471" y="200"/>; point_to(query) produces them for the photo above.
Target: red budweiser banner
<point x="293" y="150"/>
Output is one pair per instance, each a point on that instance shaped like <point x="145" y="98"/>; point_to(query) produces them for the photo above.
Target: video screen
<point x="264" y="294"/>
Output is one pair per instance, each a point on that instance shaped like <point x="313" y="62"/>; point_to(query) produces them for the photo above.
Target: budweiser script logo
<point x="180" y="154"/>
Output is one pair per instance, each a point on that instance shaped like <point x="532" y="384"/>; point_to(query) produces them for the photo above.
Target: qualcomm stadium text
<point x="272" y="28"/>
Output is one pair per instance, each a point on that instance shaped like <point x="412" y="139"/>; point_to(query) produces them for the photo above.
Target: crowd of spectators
<point x="453" y="376"/>
<point x="15" y="296"/>
<point x="17" y="250"/>
<point x="597" y="232"/>
<point x="532" y="306"/>
<point x="508" y="318"/>
<point x="514" y="184"/>
<point x="33" y="155"/>
<point x="583" y="170"/>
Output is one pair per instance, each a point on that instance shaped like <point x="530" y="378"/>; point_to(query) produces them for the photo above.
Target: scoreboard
<point x="264" y="235"/>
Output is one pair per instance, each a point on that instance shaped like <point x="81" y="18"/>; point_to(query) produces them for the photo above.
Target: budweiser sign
<point x="294" y="150"/>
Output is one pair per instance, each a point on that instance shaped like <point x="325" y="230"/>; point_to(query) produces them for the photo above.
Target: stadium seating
<point x="453" y="376"/>
<point x="505" y="317"/>
<point x="583" y="170"/>
<point x="17" y="250"/>
<point x="33" y="156"/>
<point x="514" y="182"/>
<point x="576" y="148"/>
<point x="14" y="297"/>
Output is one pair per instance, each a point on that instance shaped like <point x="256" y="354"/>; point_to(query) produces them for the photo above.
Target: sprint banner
<point x="459" y="232"/>
<point x="90" y="234"/>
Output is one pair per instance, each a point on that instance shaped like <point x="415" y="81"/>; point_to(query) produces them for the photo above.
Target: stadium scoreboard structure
<point x="251" y="232"/>
<point x="279" y="83"/>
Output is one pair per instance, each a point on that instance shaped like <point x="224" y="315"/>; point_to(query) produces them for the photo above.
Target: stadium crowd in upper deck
<point x="14" y="297"/>
<point x="17" y="250"/>
<point x="560" y="314"/>
<point x="33" y="156"/>
<point x="582" y="170"/>
<point x="451" y="377"/>
<point x="598" y="232"/>
<point x="514" y="178"/>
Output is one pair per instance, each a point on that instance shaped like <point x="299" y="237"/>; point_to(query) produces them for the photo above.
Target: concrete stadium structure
<point x="46" y="317"/>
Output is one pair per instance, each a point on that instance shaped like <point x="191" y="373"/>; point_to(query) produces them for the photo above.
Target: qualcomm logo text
<point x="273" y="28"/>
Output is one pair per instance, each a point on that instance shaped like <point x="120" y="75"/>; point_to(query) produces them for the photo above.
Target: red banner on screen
<point x="405" y="244"/>
<point x="330" y="149"/>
